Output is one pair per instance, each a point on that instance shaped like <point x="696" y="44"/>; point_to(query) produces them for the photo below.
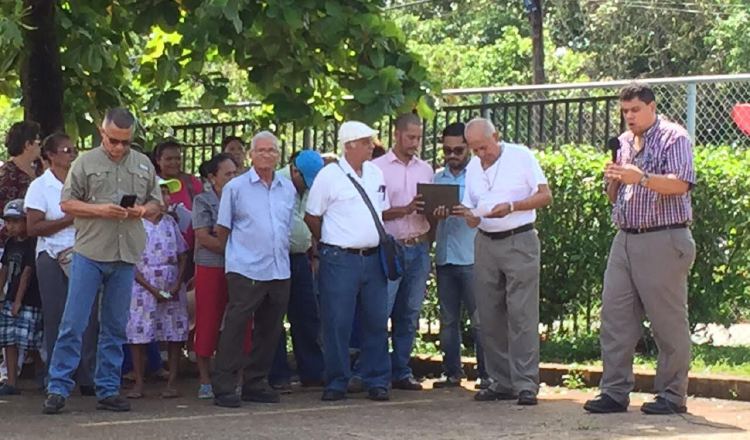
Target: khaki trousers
<point x="647" y="273"/>
<point x="507" y="296"/>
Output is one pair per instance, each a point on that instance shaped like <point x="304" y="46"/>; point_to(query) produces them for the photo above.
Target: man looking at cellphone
<point x="108" y="190"/>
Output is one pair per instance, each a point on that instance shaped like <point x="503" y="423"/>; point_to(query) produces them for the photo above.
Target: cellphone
<point x="128" y="200"/>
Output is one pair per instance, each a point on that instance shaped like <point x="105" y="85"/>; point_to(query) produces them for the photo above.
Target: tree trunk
<point x="537" y="38"/>
<point x="41" y="71"/>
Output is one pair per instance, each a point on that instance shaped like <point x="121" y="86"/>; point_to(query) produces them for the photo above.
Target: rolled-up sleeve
<point x="678" y="160"/>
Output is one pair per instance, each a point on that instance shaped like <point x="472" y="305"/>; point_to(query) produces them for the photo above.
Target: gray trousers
<point x="264" y="302"/>
<point x="53" y="290"/>
<point x="507" y="296"/>
<point x="647" y="272"/>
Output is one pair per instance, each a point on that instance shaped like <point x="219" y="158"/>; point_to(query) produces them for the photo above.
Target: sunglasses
<point x="455" y="151"/>
<point x="113" y="141"/>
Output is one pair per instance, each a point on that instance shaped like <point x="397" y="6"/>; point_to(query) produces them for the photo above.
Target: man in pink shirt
<point x="403" y="170"/>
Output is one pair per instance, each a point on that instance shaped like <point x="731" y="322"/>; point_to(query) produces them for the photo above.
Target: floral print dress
<point x="151" y="320"/>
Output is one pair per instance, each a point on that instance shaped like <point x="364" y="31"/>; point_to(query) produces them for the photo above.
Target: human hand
<point x="137" y="211"/>
<point x="628" y="174"/>
<point x="441" y="212"/>
<point x="416" y="205"/>
<point x="499" y="211"/>
<point x="16" y="308"/>
<point x="112" y="211"/>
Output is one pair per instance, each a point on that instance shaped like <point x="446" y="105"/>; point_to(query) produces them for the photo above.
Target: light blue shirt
<point x="259" y="219"/>
<point x="454" y="241"/>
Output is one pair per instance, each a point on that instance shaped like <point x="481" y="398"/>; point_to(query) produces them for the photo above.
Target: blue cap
<point x="309" y="163"/>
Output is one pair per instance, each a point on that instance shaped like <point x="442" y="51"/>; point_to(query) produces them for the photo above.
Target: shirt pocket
<point x="139" y="183"/>
<point x="100" y="188"/>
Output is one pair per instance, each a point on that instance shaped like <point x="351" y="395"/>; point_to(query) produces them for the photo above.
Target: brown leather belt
<point x="505" y="234"/>
<point x="414" y="240"/>
<point x="653" y="228"/>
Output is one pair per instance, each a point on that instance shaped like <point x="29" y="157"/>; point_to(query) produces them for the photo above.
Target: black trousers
<point x="265" y="302"/>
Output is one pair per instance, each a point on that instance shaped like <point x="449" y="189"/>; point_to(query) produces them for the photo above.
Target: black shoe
<point x="229" y="400"/>
<point x="483" y="383"/>
<point x="283" y="387"/>
<point x="355" y="385"/>
<point x="9" y="390"/>
<point x="53" y="404"/>
<point x="662" y="406"/>
<point x="487" y="395"/>
<point x="113" y="403"/>
<point x="408" y="383"/>
<point x="261" y="395"/>
<point x="87" y="390"/>
<point x="333" y="396"/>
<point x="527" y="398"/>
<point x="378" y="394"/>
<point x="448" y="382"/>
<point x="603" y="404"/>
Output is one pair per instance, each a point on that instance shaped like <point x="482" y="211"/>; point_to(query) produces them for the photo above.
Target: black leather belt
<point x="363" y="252"/>
<point x="506" y="234"/>
<point x="653" y="229"/>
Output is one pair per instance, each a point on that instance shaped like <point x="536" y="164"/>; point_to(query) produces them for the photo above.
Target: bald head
<point x="483" y="126"/>
<point x="483" y="139"/>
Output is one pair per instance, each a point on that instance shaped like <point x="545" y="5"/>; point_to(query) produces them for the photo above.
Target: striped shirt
<point x="667" y="149"/>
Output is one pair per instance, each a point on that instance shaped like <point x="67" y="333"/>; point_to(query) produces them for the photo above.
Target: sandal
<point x="134" y="395"/>
<point x="170" y="393"/>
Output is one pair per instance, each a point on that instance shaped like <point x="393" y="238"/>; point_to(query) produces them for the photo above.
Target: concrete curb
<point x="700" y="385"/>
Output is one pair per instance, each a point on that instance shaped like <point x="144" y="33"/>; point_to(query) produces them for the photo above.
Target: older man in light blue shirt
<point x="454" y="261"/>
<point x="255" y="218"/>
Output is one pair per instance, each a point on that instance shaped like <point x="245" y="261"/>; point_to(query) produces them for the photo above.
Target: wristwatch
<point x="644" y="180"/>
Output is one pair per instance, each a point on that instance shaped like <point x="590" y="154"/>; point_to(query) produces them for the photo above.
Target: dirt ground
<point x="430" y="414"/>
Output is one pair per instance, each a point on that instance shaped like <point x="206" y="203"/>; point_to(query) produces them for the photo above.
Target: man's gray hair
<point x="121" y="117"/>
<point x="264" y="135"/>
<point x="487" y="126"/>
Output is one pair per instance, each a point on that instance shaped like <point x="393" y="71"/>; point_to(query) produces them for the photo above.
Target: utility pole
<point x="534" y="10"/>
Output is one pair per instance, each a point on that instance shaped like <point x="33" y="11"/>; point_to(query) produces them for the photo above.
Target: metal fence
<point x="538" y="116"/>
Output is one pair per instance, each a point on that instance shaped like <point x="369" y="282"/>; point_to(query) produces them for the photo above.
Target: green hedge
<point x="576" y="232"/>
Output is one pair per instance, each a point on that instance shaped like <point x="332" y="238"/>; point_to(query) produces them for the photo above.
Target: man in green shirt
<point x="109" y="190"/>
<point x="302" y="311"/>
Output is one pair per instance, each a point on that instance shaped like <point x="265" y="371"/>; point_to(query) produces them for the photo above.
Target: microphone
<point x="613" y="145"/>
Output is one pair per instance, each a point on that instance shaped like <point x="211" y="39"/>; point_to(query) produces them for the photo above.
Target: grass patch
<point x="584" y="351"/>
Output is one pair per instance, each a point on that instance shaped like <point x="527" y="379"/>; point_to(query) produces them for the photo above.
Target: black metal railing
<point x="535" y="123"/>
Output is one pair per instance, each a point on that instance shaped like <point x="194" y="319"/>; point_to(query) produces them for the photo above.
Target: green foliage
<point x="299" y="58"/>
<point x="575" y="233"/>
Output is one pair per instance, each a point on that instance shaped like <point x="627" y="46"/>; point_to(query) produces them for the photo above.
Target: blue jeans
<point x="350" y="282"/>
<point x="304" y="319"/>
<point x="405" y="297"/>
<point x="85" y="278"/>
<point x="455" y="285"/>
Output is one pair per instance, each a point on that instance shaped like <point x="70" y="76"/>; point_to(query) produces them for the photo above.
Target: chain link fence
<point x="712" y="108"/>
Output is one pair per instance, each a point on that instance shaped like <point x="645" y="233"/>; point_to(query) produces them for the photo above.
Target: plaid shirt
<point x="667" y="149"/>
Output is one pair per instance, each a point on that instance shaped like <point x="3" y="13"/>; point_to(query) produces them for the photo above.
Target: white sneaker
<point x="205" y="391"/>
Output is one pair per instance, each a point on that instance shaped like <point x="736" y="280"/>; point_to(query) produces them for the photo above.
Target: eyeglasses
<point x="67" y="150"/>
<point x="455" y="151"/>
<point x="113" y="141"/>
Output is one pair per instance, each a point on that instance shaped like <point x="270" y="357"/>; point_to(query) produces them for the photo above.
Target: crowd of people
<point x="101" y="250"/>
